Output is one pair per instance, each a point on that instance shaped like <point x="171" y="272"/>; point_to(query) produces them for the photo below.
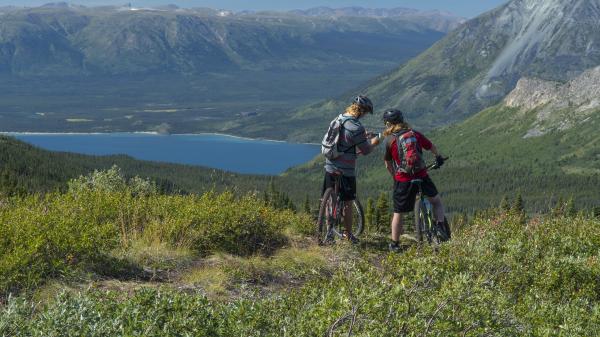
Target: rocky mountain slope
<point x="558" y="106"/>
<point x="480" y="62"/>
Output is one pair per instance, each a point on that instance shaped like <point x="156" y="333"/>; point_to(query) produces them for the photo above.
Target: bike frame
<point x="338" y="208"/>
<point x="425" y="217"/>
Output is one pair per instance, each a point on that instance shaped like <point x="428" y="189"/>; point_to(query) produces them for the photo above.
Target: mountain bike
<point x="331" y="215"/>
<point x="425" y="225"/>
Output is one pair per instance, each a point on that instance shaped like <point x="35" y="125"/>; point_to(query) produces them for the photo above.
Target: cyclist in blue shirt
<point x="353" y="140"/>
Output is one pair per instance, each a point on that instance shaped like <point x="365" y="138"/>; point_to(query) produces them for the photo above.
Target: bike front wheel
<point x="358" y="218"/>
<point x="331" y="220"/>
<point x="424" y="223"/>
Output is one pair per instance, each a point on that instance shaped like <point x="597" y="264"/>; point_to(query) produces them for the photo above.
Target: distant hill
<point x="437" y="20"/>
<point x="60" y="39"/>
<point x="480" y="62"/>
<point x="195" y="70"/>
<point x="542" y="141"/>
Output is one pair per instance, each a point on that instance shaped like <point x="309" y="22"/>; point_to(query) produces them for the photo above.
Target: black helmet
<point x="393" y="116"/>
<point x="364" y="102"/>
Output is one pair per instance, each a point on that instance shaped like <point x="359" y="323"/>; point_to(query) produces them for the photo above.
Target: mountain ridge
<point x="107" y="67"/>
<point x="110" y="40"/>
<point x="476" y="65"/>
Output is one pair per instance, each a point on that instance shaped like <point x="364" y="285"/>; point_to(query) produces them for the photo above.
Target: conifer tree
<point x="505" y="205"/>
<point x="559" y="209"/>
<point x="382" y="212"/>
<point x="290" y="204"/>
<point x="370" y="214"/>
<point x="518" y="205"/>
<point x="306" y="205"/>
<point x="570" y="209"/>
<point x="273" y="197"/>
<point x="596" y="212"/>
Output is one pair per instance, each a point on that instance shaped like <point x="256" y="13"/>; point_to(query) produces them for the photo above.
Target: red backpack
<point x="410" y="153"/>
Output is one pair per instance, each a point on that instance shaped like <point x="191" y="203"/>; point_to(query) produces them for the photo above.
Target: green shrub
<point x="103" y="314"/>
<point x="45" y="237"/>
<point x="112" y="180"/>
<point x="499" y="277"/>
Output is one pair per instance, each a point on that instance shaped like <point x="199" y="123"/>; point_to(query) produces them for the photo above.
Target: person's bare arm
<point x="439" y="158"/>
<point x="434" y="150"/>
<point x="368" y="146"/>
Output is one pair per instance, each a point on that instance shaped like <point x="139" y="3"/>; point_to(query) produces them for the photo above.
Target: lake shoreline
<point x="213" y="150"/>
<point x="149" y="133"/>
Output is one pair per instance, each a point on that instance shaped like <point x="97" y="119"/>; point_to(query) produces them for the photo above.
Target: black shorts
<point x="347" y="186"/>
<point x="405" y="194"/>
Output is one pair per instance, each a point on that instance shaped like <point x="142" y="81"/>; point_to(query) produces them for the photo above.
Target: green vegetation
<point x="102" y="217"/>
<point x="152" y="249"/>
<point x="25" y="169"/>
<point x="502" y="274"/>
<point x="490" y="158"/>
<point x="213" y="102"/>
<point x="382" y="212"/>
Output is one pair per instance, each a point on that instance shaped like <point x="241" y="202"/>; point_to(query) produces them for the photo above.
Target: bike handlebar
<point x="435" y="166"/>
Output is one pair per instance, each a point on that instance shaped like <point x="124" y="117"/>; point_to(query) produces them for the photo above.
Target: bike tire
<point x="419" y="220"/>
<point x="441" y="234"/>
<point x="358" y="218"/>
<point x="358" y="221"/>
<point x="434" y="235"/>
<point x="325" y="218"/>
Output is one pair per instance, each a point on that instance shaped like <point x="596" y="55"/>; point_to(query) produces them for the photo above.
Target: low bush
<point x="103" y="216"/>
<point x="43" y="237"/>
<point x="499" y="277"/>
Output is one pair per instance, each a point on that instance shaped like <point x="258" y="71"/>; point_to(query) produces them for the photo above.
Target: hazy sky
<point x="467" y="8"/>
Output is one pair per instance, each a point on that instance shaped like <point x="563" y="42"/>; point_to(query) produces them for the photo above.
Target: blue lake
<point x="217" y="151"/>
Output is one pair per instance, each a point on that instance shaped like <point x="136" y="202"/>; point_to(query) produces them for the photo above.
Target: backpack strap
<point x="343" y="119"/>
<point x="400" y="150"/>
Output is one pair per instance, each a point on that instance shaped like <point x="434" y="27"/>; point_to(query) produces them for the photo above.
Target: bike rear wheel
<point x="327" y="216"/>
<point x="358" y="220"/>
<point x="419" y="221"/>
<point x="331" y="221"/>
